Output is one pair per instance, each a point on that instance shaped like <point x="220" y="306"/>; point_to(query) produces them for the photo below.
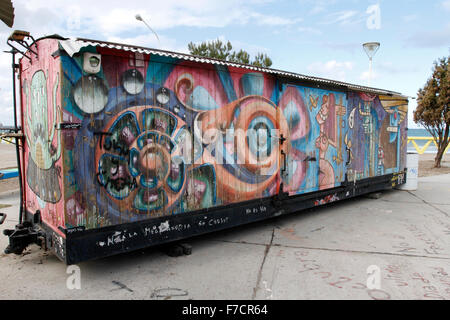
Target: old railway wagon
<point x="127" y="147"/>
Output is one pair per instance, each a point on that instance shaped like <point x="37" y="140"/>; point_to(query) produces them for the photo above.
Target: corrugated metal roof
<point x="7" y="12"/>
<point x="187" y="57"/>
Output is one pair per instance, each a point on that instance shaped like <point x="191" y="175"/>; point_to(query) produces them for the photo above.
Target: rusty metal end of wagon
<point x="23" y="235"/>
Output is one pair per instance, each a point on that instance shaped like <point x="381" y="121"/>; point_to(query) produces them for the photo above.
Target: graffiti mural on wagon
<point x="42" y="175"/>
<point x="159" y="137"/>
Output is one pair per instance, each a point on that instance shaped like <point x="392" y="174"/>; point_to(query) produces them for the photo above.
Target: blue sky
<point x="314" y="37"/>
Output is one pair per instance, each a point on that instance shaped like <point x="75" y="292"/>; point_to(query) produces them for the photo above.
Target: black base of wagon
<point x="81" y="245"/>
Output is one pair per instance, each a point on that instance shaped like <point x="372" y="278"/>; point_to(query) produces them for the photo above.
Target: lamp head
<point x="18" y="35"/>
<point x="371" y="48"/>
<point x="138" y="17"/>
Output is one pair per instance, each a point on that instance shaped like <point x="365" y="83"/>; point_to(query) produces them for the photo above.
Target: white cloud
<point x="365" y="76"/>
<point x="309" y="30"/>
<point x="261" y="19"/>
<point x="316" y="6"/>
<point x="342" y="18"/>
<point x="430" y="38"/>
<point x="410" y="18"/>
<point x="412" y="106"/>
<point x="446" y="4"/>
<point x="112" y="17"/>
<point x="114" y="20"/>
<point x="391" y="68"/>
<point x="331" y="69"/>
<point x="150" y="41"/>
<point x="317" y="9"/>
<point x="344" y="46"/>
<point x="253" y="50"/>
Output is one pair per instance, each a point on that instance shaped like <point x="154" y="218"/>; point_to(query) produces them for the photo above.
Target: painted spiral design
<point x="138" y="159"/>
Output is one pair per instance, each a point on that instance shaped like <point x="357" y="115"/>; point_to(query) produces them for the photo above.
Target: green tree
<point x="262" y="60"/>
<point x="224" y="51"/>
<point x="433" y="106"/>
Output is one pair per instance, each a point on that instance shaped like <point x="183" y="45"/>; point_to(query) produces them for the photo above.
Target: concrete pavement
<point x="324" y="253"/>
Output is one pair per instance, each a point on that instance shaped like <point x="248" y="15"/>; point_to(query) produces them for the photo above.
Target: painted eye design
<point x="260" y="141"/>
<point x="90" y="94"/>
<point x="94" y="61"/>
<point x="162" y="96"/>
<point x="113" y="170"/>
<point x="133" y="81"/>
<point x="351" y="119"/>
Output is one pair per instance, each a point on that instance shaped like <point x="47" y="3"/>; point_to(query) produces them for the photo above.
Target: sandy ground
<point x="7" y="156"/>
<point x="8" y="160"/>
<point x="426" y="165"/>
<point x="9" y="184"/>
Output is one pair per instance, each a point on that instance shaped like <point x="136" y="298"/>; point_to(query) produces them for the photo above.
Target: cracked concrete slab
<point x="444" y="207"/>
<point x="399" y="196"/>
<point x="368" y="225"/>
<point x="434" y="189"/>
<point x="216" y="270"/>
<point x="443" y="178"/>
<point x="259" y="233"/>
<point x="322" y="253"/>
<point x="294" y="274"/>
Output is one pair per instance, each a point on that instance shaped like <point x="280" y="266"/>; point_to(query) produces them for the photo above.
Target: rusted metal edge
<point x="188" y="57"/>
<point x="11" y="135"/>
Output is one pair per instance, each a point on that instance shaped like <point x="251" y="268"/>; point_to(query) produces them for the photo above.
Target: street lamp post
<point x="371" y="48"/>
<point x="139" y="18"/>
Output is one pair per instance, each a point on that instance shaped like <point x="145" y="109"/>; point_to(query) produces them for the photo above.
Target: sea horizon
<point x="421" y="132"/>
